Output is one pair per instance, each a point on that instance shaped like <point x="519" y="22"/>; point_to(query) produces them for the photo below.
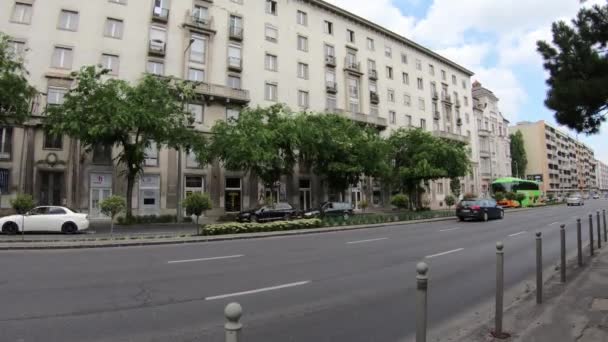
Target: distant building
<point x="601" y="174"/>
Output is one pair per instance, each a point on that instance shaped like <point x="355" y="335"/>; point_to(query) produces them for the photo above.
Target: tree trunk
<point x="130" y="184"/>
<point x="198" y="227"/>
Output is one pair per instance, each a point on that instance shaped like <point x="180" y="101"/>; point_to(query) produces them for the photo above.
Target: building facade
<point x="601" y="175"/>
<point x="559" y="161"/>
<point x="308" y="54"/>
<point x="494" y="147"/>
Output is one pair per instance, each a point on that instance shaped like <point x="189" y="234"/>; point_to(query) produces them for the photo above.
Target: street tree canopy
<point x="577" y="63"/>
<point x="16" y="94"/>
<point x="105" y="111"/>
<point x="519" y="161"/>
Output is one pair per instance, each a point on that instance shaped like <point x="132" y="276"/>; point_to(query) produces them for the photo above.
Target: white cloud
<point x="382" y="12"/>
<point x="517" y="49"/>
<point x="468" y="55"/>
<point x="506" y="86"/>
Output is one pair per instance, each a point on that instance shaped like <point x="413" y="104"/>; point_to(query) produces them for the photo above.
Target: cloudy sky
<point x="494" y="38"/>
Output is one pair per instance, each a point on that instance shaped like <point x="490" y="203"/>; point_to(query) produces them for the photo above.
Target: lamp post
<point x="179" y="213"/>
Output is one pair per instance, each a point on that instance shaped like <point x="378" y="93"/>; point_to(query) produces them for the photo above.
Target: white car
<point x="575" y="200"/>
<point x="46" y="218"/>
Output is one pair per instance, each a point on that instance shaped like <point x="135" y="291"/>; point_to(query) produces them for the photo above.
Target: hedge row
<point x="151" y="219"/>
<point x="386" y="218"/>
<point x="252" y="227"/>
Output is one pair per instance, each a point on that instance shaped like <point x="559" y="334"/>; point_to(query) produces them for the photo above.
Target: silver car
<point x="575" y="200"/>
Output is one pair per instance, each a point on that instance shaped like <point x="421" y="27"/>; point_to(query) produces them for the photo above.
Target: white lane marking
<point x="206" y="259"/>
<point x="554" y="223"/>
<point x="447" y="230"/>
<point x="265" y="289"/>
<point x="363" y="241"/>
<point x="523" y="232"/>
<point x="444" y="253"/>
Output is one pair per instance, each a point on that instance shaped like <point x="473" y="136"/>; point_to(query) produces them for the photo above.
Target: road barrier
<point x="562" y="232"/>
<point x="233" y="327"/>
<point x="539" y="268"/>
<point x="591" y="234"/>
<point x="605" y="231"/>
<point x="421" y="300"/>
<point x="579" y="242"/>
<point x="599" y="231"/>
<point x="499" y="290"/>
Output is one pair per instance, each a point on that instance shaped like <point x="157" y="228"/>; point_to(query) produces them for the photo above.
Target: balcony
<point x="199" y="21"/>
<point x="160" y="14"/>
<point x="373" y="97"/>
<point x="373" y="120"/>
<point x="157" y="47"/>
<point x="352" y="66"/>
<point x="235" y="33"/>
<point x="446" y="98"/>
<point x="451" y="136"/>
<point x="484" y="153"/>
<point x="434" y="95"/>
<point x="235" y="64"/>
<point x="457" y="103"/>
<point x="331" y="87"/>
<point x="220" y="92"/>
<point x="486" y="175"/>
<point x="330" y="61"/>
<point x="483" y="132"/>
<point x="436" y="115"/>
<point x="459" y="122"/>
<point x="373" y="74"/>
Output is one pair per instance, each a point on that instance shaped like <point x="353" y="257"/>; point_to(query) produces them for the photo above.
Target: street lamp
<point x="179" y="213"/>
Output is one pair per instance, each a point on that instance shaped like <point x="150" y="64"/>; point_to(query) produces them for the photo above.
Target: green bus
<point x="530" y="188"/>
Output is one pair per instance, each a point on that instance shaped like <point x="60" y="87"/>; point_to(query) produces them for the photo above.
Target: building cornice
<point x="349" y="15"/>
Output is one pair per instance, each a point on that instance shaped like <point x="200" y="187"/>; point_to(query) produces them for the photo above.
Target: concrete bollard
<point x="562" y="233"/>
<point x="233" y="327"/>
<point x="591" y="234"/>
<point x="599" y="231"/>
<point x="579" y="242"/>
<point x="499" y="289"/>
<point x="605" y="232"/>
<point x="539" y="268"/>
<point x="421" y="300"/>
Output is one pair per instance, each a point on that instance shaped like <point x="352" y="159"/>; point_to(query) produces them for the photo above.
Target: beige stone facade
<point x="307" y="54"/>
<point x="601" y="174"/>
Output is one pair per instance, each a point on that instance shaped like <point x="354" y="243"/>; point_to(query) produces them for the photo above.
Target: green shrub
<point x="253" y="227"/>
<point x="399" y="201"/>
<point x="144" y="219"/>
<point x="519" y="197"/>
<point x="450" y="200"/>
<point x="510" y="195"/>
<point x="22" y="204"/>
<point x="499" y="196"/>
<point x="111" y="207"/>
<point x="196" y="204"/>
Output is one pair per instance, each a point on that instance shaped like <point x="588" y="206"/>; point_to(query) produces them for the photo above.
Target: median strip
<point x="364" y="241"/>
<point x="265" y="289"/>
<point x="205" y="259"/>
<point x="444" y="253"/>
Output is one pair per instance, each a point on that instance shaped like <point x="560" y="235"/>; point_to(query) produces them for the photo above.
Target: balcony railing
<point x="216" y="91"/>
<point x="157" y="47"/>
<point x="373" y="97"/>
<point x="373" y="74"/>
<point x="451" y="136"/>
<point x="352" y="65"/>
<point x="199" y="20"/>
<point x="160" y="14"/>
<point x="457" y="103"/>
<point x="331" y="87"/>
<point x="330" y="61"/>
<point x="436" y="115"/>
<point x="459" y="121"/>
<point x="235" y="32"/>
<point x="235" y="63"/>
<point x="434" y="95"/>
<point x="446" y="98"/>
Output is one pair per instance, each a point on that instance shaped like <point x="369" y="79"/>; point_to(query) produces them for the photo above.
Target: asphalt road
<point x="350" y="286"/>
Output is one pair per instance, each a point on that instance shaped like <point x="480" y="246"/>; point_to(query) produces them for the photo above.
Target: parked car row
<point x="284" y="211"/>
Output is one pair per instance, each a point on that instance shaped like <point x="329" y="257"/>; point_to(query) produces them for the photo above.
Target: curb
<point x="168" y="241"/>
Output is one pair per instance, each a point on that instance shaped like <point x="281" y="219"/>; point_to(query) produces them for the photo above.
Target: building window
<point x="464" y="84"/>
<point x="420" y="83"/>
<point x="16" y="48"/>
<point x="392" y="116"/>
<point x="421" y="104"/>
<point x="389" y="72"/>
<point x="403" y="58"/>
<point x="405" y="77"/>
<point x="350" y="36"/>
<point x="302" y="18"/>
<point x="198" y="49"/>
<point x="55" y="96"/>
<point x="373" y="110"/>
<point x="232" y="195"/>
<point x="353" y="94"/>
<point x="418" y="65"/>
<point x="466" y="101"/>
<point x="196" y="75"/>
<point x="407" y="100"/>
<point x="232" y="114"/>
<point x="270" y="62"/>
<point x="22" y="13"/>
<point x="388" y="52"/>
<point x="330" y="50"/>
<point x="454" y="82"/>
<point x="391" y="95"/>
<point x="373" y="87"/>
<point x="151" y="154"/>
<point x="197" y="111"/>
<point x="155" y="68"/>
<point x="371" y="65"/>
<point x="443" y="75"/>
<point x="467" y="117"/>
<point x="303" y="99"/>
<point x="440" y="188"/>
<point x="102" y="154"/>
<point x="270" y="92"/>
<point x="110" y="62"/>
<point x="53" y="141"/>
<point x="271" y="33"/>
<point x="62" y="58"/>
<point x="234" y="81"/>
<point x="423" y="124"/>
<point x="328" y="27"/>
<point x="68" y="20"/>
<point x="271" y="7"/>
<point x="431" y="70"/>
<point x="370" y="44"/>
<point x="331" y="103"/>
<point x="408" y="120"/>
<point x="234" y="56"/>
<point x="302" y="43"/>
<point x="192" y="163"/>
<point x="303" y="71"/>
<point x="113" y="28"/>
<point x="6" y="143"/>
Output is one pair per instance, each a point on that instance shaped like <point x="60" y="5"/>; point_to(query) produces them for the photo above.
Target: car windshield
<point x="470" y="202"/>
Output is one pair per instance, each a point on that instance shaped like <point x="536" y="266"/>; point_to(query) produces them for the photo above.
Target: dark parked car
<point x="481" y="209"/>
<point x="331" y="209"/>
<point x="277" y="211"/>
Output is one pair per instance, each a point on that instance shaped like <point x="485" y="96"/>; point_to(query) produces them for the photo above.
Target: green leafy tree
<point x="111" y="207"/>
<point x="455" y="186"/>
<point x="499" y="196"/>
<point x="519" y="161"/>
<point x="22" y="204"/>
<point x="112" y="112"/>
<point x="261" y="142"/>
<point x="450" y="200"/>
<point x="400" y="201"/>
<point x="578" y="69"/>
<point x="196" y="204"/>
<point x="510" y="195"/>
<point x="364" y="204"/>
<point x="520" y="197"/>
<point x="16" y="94"/>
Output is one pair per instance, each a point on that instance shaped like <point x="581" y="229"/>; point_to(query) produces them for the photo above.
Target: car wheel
<point x="460" y="218"/>
<point x="485" y="217"/>
<point x="502" y="214"/>
<point x="10" y="228"/>
<point x="253" y="218"/>
<point x="69" y="228"/>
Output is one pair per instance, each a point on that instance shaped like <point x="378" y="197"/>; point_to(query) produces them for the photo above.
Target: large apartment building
<point x="494" y="149"/>
<point x="561" y="162"/>
<point x="308" y="54"/>
<point x="601" y="175"/>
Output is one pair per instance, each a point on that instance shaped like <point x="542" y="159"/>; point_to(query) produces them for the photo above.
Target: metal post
<point x="562" y="232"/>
<point x="599" y="231"/>
<point x="539" y="268"/>
<point x="579" y="242"/>
<point x="233" y="327"/>
<point x="499" y="288"/>
<point x="421" y="300"/>
<point x="591" y="234"/>
<point x="605" y="232"/>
